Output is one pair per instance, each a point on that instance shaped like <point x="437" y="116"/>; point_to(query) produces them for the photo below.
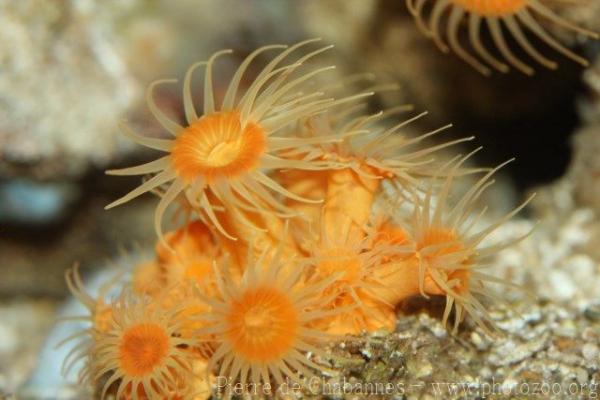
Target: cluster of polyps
<point x="282" y="251"/>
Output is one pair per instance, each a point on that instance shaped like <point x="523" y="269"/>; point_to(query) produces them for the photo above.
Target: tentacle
<point x="417" y="11"/>
<point x="540" y="32"/>
<point x="153" y="143"/>
<point x="517" y="33"/>
<point x="232" y="89"/>
<point x="209" y="96"/>
<point x="154" y="182"/>
<point x="452" y="31"/>
<point x="147" y="168"/>
<point x="550" y="15"/>
<point x="434" y="23"/>
<point x="174" y="190"/>
<point x="475" y="38"/>
<point x="188" y="103"/>
<point x="498" y="38"/>
<point x="171" y="126"/>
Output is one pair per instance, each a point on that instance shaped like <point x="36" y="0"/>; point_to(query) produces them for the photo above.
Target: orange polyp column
<point x="270" y="236"/>
<point x="402" y="281"/>
<point x="348" y="201"/>
<point x="192" y="238"/>
<point x="309" y="185"/>
<point x="371" y="315"/>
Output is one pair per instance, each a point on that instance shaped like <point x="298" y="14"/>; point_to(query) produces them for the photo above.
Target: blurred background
<point x="70" y="70"/>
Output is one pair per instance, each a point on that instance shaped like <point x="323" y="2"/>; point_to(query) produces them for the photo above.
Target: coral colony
<point x="307" y="222"/>
<point x="514" y="14"/>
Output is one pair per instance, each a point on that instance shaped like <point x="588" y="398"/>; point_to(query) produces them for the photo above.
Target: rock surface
<point x="548" y="351"/>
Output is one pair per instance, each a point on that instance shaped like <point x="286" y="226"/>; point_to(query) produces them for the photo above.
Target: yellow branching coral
<point x="249" y="295"/>
<point x="513" y="14"/>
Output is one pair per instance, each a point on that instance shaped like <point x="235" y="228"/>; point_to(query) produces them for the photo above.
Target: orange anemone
<point x="222" y="158"/>
<point x="499" y="16"/>
<point x="141" y="352"/>
<point x="260" y="325"/>
<point x="445" y="250"/>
